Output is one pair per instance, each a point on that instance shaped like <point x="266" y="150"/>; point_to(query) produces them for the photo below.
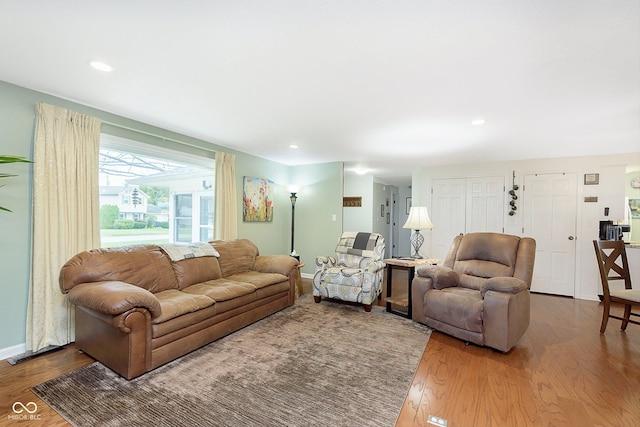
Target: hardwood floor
<point x="562" y="373"/>
<point x="16" y="381"/>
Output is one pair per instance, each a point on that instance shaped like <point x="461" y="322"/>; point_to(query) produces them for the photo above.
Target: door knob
<point x="571" y="237"/>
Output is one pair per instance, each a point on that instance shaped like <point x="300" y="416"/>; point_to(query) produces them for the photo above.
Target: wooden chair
<point x="611" y="255"/>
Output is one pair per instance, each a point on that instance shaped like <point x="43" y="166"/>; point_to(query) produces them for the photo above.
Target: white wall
<point x="610" y="193"/>
<point x="633" y="193"/>
<point x="404" y="244"/>
<point x="382" y="207"/>
<point x="358" y="218"/>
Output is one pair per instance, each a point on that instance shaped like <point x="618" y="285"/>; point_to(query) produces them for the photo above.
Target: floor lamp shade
<point x="418" y="220"/>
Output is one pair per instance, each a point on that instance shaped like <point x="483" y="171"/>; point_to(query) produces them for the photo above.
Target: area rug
<point x="327" y="364"/>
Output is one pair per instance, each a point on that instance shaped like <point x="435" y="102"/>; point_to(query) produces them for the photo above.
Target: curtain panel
<point x="226" y="212"/>
<point x="66" y="215"/>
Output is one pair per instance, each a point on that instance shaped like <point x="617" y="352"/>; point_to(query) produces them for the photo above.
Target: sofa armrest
<point x="442" y="277"/>
<point x="282" y="264"/>
<point x="509" y="285"/>
<point x="114" y="298"/>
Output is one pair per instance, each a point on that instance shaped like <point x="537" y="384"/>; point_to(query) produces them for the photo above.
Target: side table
<point x="408" y="264"/>
<point x="299" y="288"/>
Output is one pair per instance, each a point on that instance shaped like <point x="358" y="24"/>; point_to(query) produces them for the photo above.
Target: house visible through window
<point x="153" y="195"/>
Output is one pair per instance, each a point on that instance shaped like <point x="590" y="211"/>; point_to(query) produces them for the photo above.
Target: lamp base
<point x="416" y="240"/>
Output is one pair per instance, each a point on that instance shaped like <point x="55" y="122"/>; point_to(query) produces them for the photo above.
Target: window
<point x="183" y="217"/>
<point x="153" y="195"/>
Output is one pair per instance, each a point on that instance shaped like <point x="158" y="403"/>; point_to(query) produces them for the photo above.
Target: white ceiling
<point x="387" y="85"/>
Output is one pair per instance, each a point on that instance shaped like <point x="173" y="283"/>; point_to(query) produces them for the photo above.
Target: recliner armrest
<point x="442" y="277"/>
<point x="113" y="297"/>
<point x="510" y="285"/>
<point x="374" y="266"/>
<point x="323" y="262"/>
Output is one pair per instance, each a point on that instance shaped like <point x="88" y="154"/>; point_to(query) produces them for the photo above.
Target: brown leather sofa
<point x="480" y="293"/>
<point x="136" y="309"/>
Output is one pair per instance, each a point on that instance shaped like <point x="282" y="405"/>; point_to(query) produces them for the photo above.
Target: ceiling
<point x="385" y="85"/>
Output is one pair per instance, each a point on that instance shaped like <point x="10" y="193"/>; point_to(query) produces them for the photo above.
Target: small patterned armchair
<point x="355" y="275"/>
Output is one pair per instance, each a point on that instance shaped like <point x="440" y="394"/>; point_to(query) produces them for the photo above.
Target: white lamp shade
<point x="293" y="188"/>
<point x="418" y="219"/>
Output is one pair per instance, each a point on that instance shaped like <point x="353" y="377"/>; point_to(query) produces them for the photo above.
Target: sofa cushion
<point x="236" y="256"/>
<point x="196" y="270"/>
<point x="259" y="280"/>
<point x="459" y="307"/>
<point x="145" y="266"/>
<point x="221" y="289"/>
<point x="174" y="303"/>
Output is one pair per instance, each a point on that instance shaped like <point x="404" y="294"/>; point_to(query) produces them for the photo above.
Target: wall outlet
<point x="437" y="421"/>
<point x="333" y="217"/>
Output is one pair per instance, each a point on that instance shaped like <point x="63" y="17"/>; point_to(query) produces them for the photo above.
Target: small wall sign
<point x="352" y="202"/>
<point x="591" y="178"/>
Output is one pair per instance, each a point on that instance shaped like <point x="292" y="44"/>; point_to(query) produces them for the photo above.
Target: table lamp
<point x="418" y="220"/>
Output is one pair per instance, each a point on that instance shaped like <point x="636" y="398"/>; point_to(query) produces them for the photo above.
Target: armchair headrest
<point x="484" y="255"/>
<point x="494" y="247"/>
<point x="360" y="244"/>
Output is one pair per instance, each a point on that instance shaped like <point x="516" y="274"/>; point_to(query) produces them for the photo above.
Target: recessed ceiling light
<point x="360" y="171"/>
<point x="101" y="66"/>
<point x="294" y="146"/>
<point x="477" y="122"/>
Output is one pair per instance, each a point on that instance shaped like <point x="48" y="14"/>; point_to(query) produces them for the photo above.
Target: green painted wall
<point x="316" y="233"/>
<point x="319" y="199"/>
<point x="17" y="114"/>
<point x="270" y="237"/>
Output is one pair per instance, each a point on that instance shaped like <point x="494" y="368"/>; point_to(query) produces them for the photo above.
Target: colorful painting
<point x="257" y="200"/>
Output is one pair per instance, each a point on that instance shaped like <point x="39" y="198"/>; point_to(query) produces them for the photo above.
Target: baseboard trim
<point x="306" y="275"/>
<point x="15" y="350"/>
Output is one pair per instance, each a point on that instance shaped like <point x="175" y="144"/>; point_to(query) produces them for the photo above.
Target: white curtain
<point x="65" y="216"/>
<point x="226" y="223"/>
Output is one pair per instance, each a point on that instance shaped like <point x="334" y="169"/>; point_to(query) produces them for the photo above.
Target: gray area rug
<point x="327" y="364"/>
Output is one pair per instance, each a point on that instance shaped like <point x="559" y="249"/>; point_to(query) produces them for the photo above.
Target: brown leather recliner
<point x="480" y="294"/>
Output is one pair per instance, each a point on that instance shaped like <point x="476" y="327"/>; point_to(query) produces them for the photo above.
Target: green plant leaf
<point x="11" y="159"/>
<point x="14" y="159"/>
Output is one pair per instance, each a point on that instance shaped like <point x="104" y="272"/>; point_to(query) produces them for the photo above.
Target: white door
<point x="465" y="205"/>
<point x="549" y="216"/>
<point x="448" y="214"/>
<point x="485" y="204"/>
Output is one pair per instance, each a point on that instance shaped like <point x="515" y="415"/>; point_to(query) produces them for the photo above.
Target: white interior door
<point x="549" y="216"/>
<point x="485" y="204"/>
<point x="448" y="214"/>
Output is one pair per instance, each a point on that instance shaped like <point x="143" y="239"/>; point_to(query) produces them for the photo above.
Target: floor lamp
<point x="418" y="220"/>
<point x="293" y="199"/>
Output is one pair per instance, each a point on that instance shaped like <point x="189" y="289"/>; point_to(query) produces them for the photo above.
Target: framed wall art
<point x="257" y="200"/>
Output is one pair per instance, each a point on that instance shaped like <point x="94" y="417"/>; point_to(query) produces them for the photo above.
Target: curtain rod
<point x="164" y="138"/>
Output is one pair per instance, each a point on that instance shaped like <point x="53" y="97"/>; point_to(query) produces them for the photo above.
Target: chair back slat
<point x="612" y="263"/>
